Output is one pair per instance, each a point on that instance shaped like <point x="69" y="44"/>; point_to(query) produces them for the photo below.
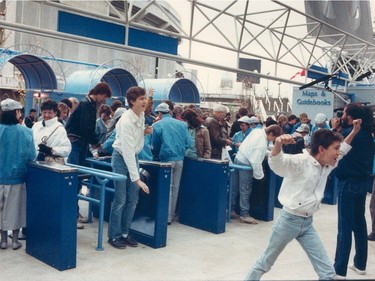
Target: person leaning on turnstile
<point x="16" y="150"/>
<point x="129" y="142"/>
<point x="81" y="129"/>
<point x="170" y="141"/>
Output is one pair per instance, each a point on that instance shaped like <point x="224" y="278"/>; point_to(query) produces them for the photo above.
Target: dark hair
<point x="270" y="121"/>
<point x="116" y="104"/>
<point x="8" y="117"/>
<point x="275" y="130"/>
<point x="192" y="118"/>
<point x="67" y="102"/>
<point x="49" y="105"/>
<point x="101" y="88"/>
<point x="170" y="104"/>
<point x="292" y="117"/>
<point x="133" y="93"/>
<point x="32" y="110"/>
<point x="323" y="137"/>
<point x="243" y="111"/>
<point x="105" y="109"/>
<point x="359" y="111"/>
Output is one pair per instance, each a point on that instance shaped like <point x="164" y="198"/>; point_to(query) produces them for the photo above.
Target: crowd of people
<point x="69" y="131"/>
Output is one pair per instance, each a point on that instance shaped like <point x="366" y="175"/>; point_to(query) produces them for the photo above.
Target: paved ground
<point x="190" y="254"/>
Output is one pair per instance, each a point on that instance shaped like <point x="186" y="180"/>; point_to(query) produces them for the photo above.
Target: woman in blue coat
<point x="16" y="150"/>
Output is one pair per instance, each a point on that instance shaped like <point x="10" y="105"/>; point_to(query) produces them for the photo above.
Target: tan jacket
<point x="202" y="142"/>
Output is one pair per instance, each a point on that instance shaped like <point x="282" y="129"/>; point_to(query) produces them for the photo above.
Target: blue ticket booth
<point x="52" y="214"/>
<point x="203" y="194"/>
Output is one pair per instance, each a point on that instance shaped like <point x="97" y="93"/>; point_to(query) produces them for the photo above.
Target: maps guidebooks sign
<point x="312" y="101"/>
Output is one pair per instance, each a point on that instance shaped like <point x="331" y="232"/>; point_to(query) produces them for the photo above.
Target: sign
<point x="312" y="101"/>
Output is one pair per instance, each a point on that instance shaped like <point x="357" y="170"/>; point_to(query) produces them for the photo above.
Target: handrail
<point x="103" y="177"/>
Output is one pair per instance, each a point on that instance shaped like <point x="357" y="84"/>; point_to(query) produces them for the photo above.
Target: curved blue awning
<point x="177" y="90"/>
<point x="118" y="79"/>
<point x="36" y="72"/>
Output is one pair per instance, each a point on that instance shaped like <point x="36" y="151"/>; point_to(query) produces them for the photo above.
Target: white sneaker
<point x="248" y="220"/>
<point x="339" y="277"/>
<point x="360" y="272"/>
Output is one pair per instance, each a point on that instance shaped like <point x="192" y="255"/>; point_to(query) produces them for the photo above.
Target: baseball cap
<point x="163" y="107"/>
<point x="320" y="118"/>
<point x="304" y="128"/>
<point x="254" y="120"/>
<point x="244" y="119"/>
<point x="9" y="104"/>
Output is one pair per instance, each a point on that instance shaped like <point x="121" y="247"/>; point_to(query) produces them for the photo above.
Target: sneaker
<point x="16" y="245"/>
<point x="82" y="219"/>
<point x="80" y="225"/>
<point x="117" y="243"/>
<point x="371" y="237"/>
<point x="360" y="272"/>
<point x="129" y="241"/>
<point x="248" y="219"/>
<point x="339" y="277"/>
<point x="233" y="215"/>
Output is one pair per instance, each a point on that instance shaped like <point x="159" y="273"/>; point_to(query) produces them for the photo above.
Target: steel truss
<point x="268" y="30"/>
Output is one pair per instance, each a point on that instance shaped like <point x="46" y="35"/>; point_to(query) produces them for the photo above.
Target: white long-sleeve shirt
<point x="304" y="180"/>
<point x="58" y="141"/>
<point x="130" y="140"/>
<point x="252" y="151"/>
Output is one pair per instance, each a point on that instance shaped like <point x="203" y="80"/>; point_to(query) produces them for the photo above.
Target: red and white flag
<point x="301" y="73"/>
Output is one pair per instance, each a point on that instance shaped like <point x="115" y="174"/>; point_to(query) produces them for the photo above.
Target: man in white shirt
<point x="252" y="152"/>
<point x="128" y="143"/>
<point x="305" y="176"/>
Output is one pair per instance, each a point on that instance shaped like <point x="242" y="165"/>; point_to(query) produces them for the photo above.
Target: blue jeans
<point x="351" y="218"/>
<point x="78" y="153"/>
<point x="124" y="201"/>
<point x="286" y="228"/>
<point x="245" y="183"/>
<point x="175" y="187"/>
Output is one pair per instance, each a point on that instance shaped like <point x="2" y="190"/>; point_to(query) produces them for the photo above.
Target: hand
<point x="335" y="122"/>
<point x="229" y="142"/>
<point x="285" y="139"/>
<point x="149" y="130"/>
<point x="45" y="149"/>
<point x="142" y="186"/>
<point x="357" y="125"/>
<point x="150" y="92"/>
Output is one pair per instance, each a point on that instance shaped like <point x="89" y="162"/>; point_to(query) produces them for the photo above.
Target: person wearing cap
<point x="302" y="190"/>
<point x="242" y="111"/>
<point x="320" y="123"/>
<point x="301" y="140"/>
<point x="128" y="143"/>
<point x="170" y="140"/>
<point x="218" y="141"/>
<point x="238" y="137"/>
<point x="16" y="150"/>
<point x="81" y="128"/>
<point x="252" y="152"/>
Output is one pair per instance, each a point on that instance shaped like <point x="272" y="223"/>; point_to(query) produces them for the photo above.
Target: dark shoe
<point x="3" y="245"/>
<point x="16" y="245"/>
<point x="371" y="237"/>
<point x="130" y="241"/>
<point x="117" y="243"/>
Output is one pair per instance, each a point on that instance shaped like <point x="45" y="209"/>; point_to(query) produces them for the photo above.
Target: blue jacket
<point x="170" y="139"/>
<point x="358" y="162"/>
<point x="16" y="150"/>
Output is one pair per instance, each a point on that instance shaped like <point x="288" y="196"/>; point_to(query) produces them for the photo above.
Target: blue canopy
<point x="119" y="80"/>
<point x="177" y="90"/>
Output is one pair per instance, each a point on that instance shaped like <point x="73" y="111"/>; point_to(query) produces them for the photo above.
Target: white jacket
<point x="58" y="141"/>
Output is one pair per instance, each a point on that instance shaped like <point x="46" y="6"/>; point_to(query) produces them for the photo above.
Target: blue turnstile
<point x="149" y="225"/>
<point x="52" y="214"/>
<point x="203" y="194"/>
